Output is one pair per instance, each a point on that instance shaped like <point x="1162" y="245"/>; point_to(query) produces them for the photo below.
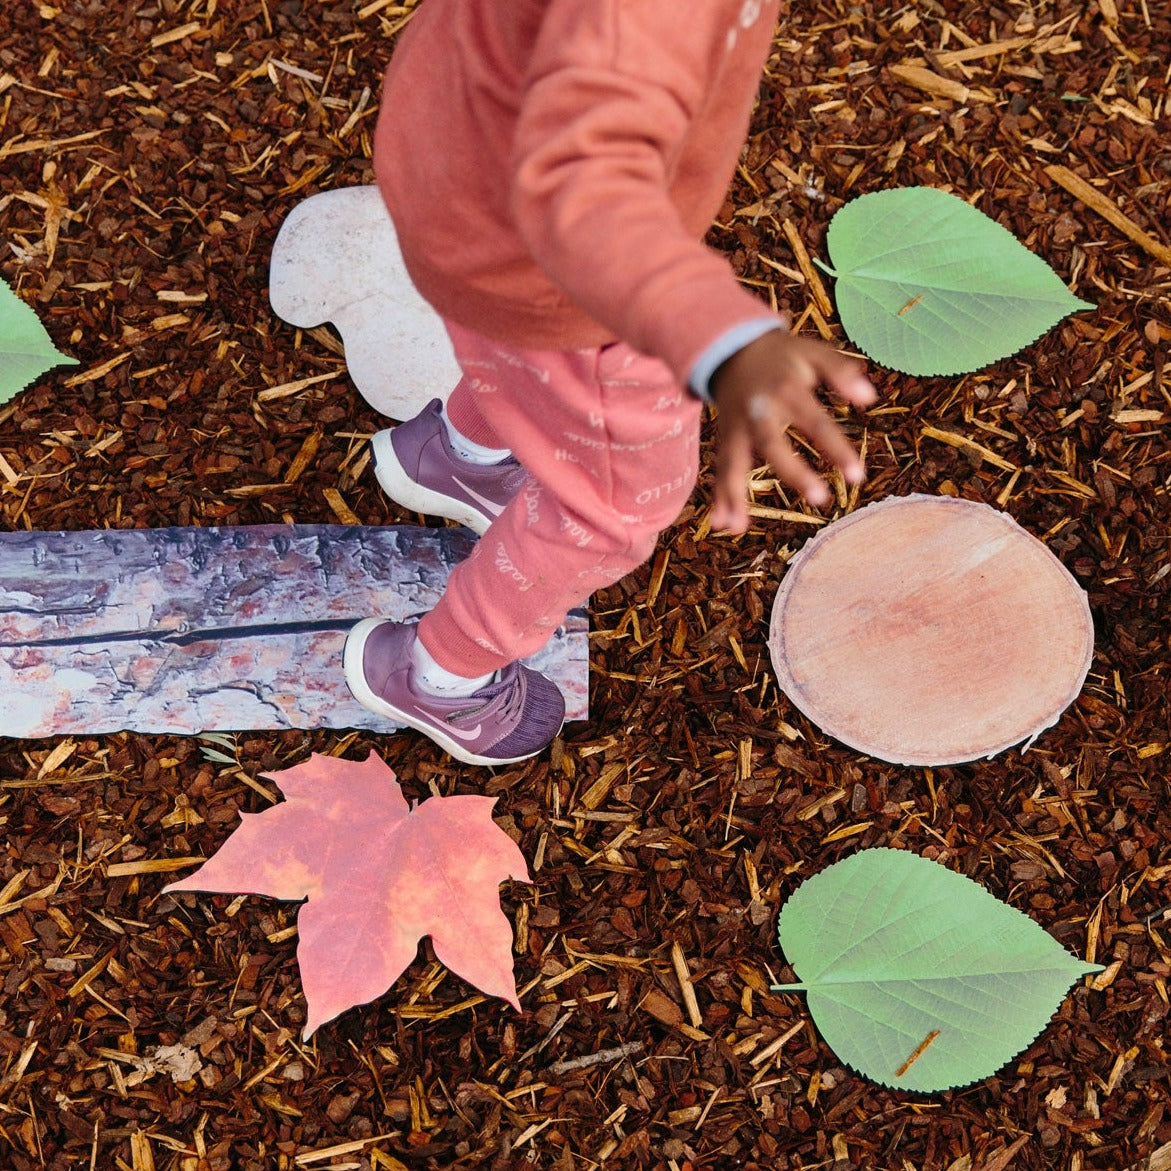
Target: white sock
<point x="430" y="676"/>
<point x="467" y="449"/>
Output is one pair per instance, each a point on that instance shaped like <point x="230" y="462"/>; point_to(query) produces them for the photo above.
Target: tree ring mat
<point x="927" y="630"/>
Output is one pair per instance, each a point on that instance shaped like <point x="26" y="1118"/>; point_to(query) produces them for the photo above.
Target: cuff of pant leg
<point x="454" y="651"/>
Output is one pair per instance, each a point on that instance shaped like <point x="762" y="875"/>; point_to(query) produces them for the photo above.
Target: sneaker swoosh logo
<point x="489" y="506"/>
<point x="448" y="729"/>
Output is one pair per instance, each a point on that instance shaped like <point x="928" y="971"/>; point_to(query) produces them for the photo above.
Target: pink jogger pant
<point x="611" y="445"/>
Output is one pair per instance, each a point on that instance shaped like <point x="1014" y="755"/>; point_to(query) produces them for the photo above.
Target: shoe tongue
<point x="501" y="681"/>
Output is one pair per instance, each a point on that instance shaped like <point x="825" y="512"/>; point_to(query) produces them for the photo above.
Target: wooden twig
<point x="46" y="144"/>
<point x="938" y="86"/>
<point x="966" y="444"/>
<point x="152" y="866"/>
<point x="774" y="1047"/>
<point x="601" y="1057"/>
<point x="918" y="1052"/>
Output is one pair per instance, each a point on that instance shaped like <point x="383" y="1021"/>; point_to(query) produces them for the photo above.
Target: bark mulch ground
<point x="148" y="154"/>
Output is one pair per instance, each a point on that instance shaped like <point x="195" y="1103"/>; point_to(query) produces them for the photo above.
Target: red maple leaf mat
<point x="378" y="876"/>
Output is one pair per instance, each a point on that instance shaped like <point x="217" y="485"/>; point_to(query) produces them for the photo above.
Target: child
<point x="551" y="167"/>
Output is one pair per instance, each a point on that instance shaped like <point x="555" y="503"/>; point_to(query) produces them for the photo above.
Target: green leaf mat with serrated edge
<point x="26" y="350"/>
<point x="926" y="284"/>
<point x="894" y="950"/>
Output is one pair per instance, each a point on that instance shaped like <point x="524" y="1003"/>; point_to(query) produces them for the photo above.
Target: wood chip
<point x="308" y="1158"/>
<point x="152" y="866"/>
<point x="662" y="1007"/>
<point x="304" y="456"/>
<point x="774" y="1047"/>
<point x="60" y="754"/>
<point x="1109" y="211"/>
<point x="1003" y="1159"/>
<point x="175" y="34"/>
<point x="918" y="1052"/>
<point x="340" y="508"/>
<point x="952" y="439"/>
<point x="98" y="371"/>
<point x="1159" y="1160"/>
<point x="932" y="83"/>
<point x="47" y="144"/>
<point x="601" y="1057"/>
<point x="288" y="388"/>
<point x="177" y="296"/>
<point x="812" y="277"/>
<point x="690" y="1002"/>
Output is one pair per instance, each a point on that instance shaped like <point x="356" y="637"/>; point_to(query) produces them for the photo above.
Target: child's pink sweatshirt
<point x="551" y="166"/>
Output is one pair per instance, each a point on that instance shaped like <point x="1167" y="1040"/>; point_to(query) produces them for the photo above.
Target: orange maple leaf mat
<point x="378" y="876"/>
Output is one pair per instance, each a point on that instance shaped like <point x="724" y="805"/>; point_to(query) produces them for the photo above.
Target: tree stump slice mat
<point x="336" y="258"/>
<point x="928" y="630"/>
<point x="184" y="630"/>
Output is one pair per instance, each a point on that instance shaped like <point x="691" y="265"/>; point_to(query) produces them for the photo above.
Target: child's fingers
<point x="767" y="387"/>
<point x="791" y="469"/>
<point x="831" y="441"/>
<point x="845" y="376"/>
<point x="733" y="468"/>
<point x="807" y="416"/>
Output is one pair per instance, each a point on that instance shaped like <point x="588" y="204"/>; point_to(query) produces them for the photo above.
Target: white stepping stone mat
<point x="336" y="259"/>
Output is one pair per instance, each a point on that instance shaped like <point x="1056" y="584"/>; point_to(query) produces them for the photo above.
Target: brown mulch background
<point x="148" y="155"/>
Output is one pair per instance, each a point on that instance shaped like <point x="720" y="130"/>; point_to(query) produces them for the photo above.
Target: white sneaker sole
<point x="363" y="693"/>
<point x="394" y="480"/>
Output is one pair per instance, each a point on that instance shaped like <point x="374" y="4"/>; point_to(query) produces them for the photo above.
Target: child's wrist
<point x="701" y="381"/>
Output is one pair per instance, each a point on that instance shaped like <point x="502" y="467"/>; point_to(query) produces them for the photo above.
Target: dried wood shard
<point x="187" y="630"/>
<point x="932" y="83"/>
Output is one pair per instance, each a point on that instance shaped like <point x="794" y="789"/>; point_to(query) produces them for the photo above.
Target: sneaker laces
<point x="506" y="693"/>
<point x="512" y="707"/>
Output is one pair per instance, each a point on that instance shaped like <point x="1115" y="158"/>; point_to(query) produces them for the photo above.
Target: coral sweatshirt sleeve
<point x="552" y="166"/>
<point x="620" y="108"/>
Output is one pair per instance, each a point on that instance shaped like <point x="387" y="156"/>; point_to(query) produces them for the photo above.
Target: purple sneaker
<point x="509" y="719"/>
<point x="416" y="467"/>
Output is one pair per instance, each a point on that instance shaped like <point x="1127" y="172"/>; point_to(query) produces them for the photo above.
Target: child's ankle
<point x="468" y="449"/>
<point x="437" y="680"/>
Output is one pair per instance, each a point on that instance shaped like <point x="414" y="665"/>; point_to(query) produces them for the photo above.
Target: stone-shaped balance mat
<point x="184" y="630"/>
<point x="337" y="259"/>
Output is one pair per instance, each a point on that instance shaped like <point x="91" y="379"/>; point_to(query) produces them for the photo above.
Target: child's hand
<point x="765" y="388"/>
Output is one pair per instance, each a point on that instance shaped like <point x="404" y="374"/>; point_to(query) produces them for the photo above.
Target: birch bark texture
<point x="183" y="630"/>
<point x="930" y="630"/>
